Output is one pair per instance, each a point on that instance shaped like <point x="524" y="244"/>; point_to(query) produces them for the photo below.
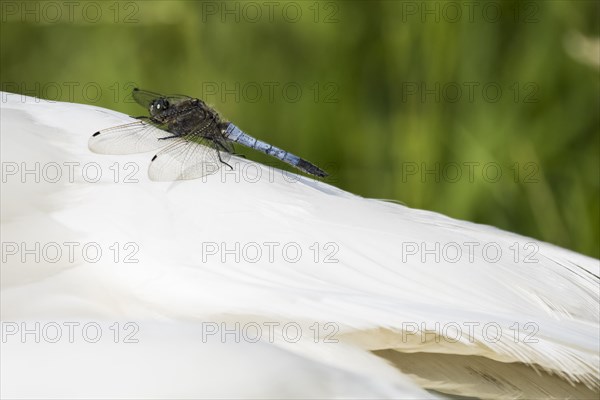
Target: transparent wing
<point x="136" y="137"/>
<point x="185" y="159"/>
<point x="145" y="97"/>
<point x="222" y="145"/>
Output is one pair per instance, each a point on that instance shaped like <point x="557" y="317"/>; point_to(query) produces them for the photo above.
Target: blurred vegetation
<point x="388" y="90"/>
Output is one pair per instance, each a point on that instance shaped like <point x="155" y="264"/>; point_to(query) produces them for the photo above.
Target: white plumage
<point x="382" y="292"/>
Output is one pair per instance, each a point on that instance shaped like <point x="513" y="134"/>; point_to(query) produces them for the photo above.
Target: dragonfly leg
<point x="219" y="154"/>
<point x="222" y="146"/>
<point x="237" y="154"/>
<point x="228" y="151"/>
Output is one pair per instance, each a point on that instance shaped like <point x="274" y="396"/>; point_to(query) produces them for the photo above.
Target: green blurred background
<point x="375" y="92"/>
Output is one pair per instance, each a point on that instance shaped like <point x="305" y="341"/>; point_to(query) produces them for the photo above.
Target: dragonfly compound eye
<point x="162" y="105"/>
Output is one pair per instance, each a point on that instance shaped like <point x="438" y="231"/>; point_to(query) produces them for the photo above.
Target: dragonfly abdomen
<point x="235" y="134"/>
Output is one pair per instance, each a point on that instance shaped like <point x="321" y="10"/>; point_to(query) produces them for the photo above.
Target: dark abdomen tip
<point x="311" y="169"/>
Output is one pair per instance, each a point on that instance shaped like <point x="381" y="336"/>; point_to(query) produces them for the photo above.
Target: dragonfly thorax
<point x="189" y="118"/>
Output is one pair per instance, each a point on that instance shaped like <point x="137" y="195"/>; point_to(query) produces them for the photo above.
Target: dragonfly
<point x="193" y="138"/>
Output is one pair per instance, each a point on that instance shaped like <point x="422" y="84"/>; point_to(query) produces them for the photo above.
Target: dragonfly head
<point x="159" y="106"/>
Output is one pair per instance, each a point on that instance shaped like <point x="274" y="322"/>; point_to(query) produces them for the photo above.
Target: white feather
<point x="379" y="296"/>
